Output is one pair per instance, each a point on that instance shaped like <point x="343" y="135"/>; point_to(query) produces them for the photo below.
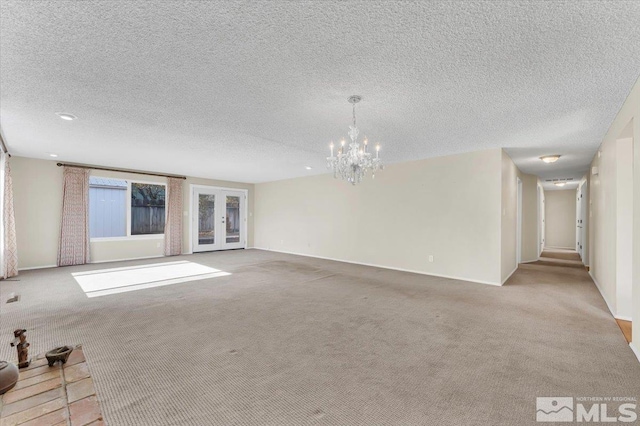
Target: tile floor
<point x="47" y="396"/>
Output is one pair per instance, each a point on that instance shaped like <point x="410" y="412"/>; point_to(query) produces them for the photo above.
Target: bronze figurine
<point x="21" y="344"/>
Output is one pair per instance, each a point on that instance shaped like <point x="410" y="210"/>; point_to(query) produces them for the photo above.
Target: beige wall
<point x="509" y="213"/>
<point x="560" y="218"/>
<point x="585" y="183"/>
<point x="614" y="257"/>
<point x="447" y="207"/>
<point x="529" y="217"/>
<point x="510" y="176"/>
<point x="624" y="226"/>
<point x="37" y="196"/>
<point x="38" y="189"/>
<point x="611" y="225"/>
<point x="631" y="112"/>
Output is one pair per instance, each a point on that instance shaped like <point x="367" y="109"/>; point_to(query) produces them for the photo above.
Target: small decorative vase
<point x="8" y="376"/>
<point x="58" y="354"/>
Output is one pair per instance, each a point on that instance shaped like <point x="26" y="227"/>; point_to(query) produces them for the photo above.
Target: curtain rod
<point x="4" y="146"/>
<point x="82" y="166"/>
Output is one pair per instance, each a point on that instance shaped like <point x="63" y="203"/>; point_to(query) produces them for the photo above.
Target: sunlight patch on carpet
<point x="119" y="280"/>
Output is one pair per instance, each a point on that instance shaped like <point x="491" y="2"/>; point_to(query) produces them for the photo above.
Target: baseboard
<point x="560" y="248"/>
<point x="616" y="316"/>
<point x="37" y="267"/>
<point x="623" y="318"/>
<point x="530" y="261"/>
<point x="512" y="272"/>
<point x="602" y="294"/>
<point x="635" y="350"/>
<point x="382" y="267"/>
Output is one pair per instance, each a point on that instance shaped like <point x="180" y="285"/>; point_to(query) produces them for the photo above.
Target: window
<point x="147" y="208"/>
<point x="107" y="207"/>
<point x="121" y="208"/>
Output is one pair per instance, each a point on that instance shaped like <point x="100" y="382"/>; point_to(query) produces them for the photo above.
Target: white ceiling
<point x="254" y="91"/>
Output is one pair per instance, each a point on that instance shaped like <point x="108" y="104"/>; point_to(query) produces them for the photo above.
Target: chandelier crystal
<point x="352" y="163"/>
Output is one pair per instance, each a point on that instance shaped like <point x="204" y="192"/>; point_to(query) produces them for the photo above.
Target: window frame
<point x="130" y="237"/>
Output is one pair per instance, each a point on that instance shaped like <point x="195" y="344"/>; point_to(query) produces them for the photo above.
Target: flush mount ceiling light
<point x="560" y="183"/>
<point x="53" y="155"/>
<point x="308" y="167"/>
<point x="66" y="116"/>
<point x="353" y="162"/>
<point x="550" y="158"/>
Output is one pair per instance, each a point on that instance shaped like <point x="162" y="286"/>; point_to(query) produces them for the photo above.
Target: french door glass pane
<point x="233" y="219"/>
<point x="206" y="219"/>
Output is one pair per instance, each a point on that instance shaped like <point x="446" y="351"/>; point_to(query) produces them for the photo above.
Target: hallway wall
<point x="528" y="245"/>
<point x="560" y="218"/>
<point x="614" y="231"/>
<point x="529" y="217"/>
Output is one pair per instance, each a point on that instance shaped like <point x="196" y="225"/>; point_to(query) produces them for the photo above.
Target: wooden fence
<point x="147" y="220"/>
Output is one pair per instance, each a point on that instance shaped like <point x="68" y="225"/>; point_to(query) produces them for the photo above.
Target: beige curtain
<point x="173" y="226"/>
<point x="10" y="245"/>
<point x="74" y="233"/>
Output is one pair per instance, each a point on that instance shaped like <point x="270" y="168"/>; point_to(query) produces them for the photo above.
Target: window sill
<point x="128" y="238"/>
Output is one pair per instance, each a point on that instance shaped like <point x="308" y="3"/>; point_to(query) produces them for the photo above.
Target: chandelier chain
<point x="354" y="115"/>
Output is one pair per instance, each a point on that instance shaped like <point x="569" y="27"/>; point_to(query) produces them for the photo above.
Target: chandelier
<point x="352" y="163"/>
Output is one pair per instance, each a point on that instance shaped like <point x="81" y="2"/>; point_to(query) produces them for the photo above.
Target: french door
<point x="218" y="219"/>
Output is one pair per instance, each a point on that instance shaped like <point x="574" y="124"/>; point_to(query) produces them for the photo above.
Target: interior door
<point x="579" y="222"/>
<point x="541" y="224"/>
<point x="584" y="208"/>
<point x="218" y="219"/>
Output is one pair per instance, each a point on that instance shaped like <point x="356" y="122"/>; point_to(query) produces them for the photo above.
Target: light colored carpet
<point x="560" y="257"/>
<point x="288" y="340"/>
<point x="561" y="254"/>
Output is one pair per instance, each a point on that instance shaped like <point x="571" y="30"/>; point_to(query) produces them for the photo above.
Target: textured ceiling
<point x="254" y="91"/>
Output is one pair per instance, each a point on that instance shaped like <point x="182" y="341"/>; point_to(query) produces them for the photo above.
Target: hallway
<point x="571" y="259"/>
<point x="560" y="257"/>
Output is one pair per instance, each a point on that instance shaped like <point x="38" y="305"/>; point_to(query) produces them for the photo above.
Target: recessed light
<point x="308" y="167"/>
<point x="53" y="155"/>
<point x="66" y="116"/>
<point x="550" y="158"/>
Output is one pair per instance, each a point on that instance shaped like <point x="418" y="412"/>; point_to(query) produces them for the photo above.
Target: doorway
<point x="541" y="220"/>
<point x="519" y="224"/>
<point x="218" y="218"/>
<point x="581" y="221"/>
